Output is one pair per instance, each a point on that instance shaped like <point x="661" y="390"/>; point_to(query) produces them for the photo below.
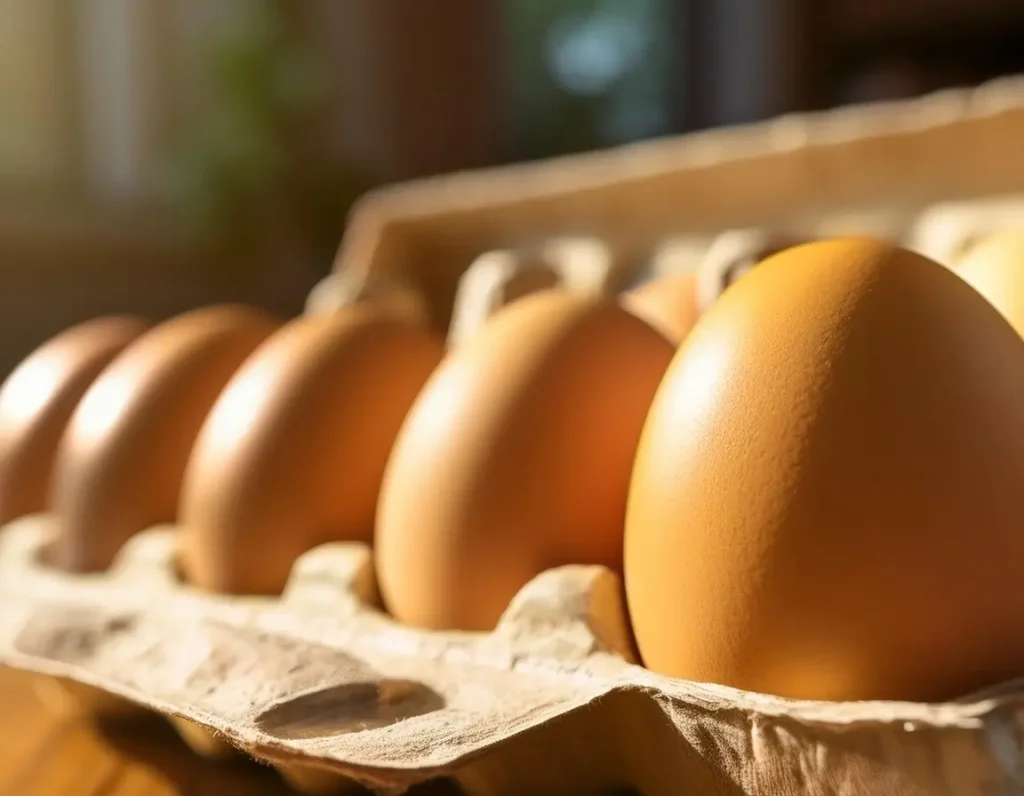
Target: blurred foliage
<point x="251" y="166"/>
<point x="588" y="73"/>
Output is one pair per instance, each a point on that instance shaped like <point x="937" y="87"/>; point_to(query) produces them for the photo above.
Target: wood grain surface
<point x="45" y="753"/>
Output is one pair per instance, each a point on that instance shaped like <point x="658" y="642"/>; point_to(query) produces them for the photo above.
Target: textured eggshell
<point x="995" y="268"/>
<point x="515" y="458"/>
<point x="826" y="501"/>
<point x="120" y="465"/>
<point x="37" y="400"/>
<point x="669" y="304"/>
<point x="293" y="453"/>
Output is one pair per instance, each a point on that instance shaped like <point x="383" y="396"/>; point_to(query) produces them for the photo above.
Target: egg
<point x="491" y="281"/>
<point x="825" y="502"/>
<point x="293" y="453"/>
<point x="514" y="458"/>
<point x="37" y="400"/>
<point x="345" y="287"/>
<point x="734" y="253"/>
<point x="121" y="461"/>
<point x="669" y="304"/>
<point x="994" y="267"/>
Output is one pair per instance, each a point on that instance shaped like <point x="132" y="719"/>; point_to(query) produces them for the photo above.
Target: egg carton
<point x="870" y="168"/>
<point x="326" y="687"/>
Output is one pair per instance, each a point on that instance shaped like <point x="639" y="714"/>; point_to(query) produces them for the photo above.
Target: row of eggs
<point x="810" y="486"/>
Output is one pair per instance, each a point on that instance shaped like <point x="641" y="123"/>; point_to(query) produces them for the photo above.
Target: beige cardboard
<point x="810" y="171"/>
<point x="945" y="231"/>
<point x="546" y="702"/>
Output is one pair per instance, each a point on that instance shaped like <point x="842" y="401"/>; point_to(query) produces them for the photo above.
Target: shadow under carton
<point x="336" y="694"/>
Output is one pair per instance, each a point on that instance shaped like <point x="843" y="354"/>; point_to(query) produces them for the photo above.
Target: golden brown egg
<point x="293" y="453"/>
<point x="732" y="254"/>
<point x="120" y="464"/>
<point x="669" y="304"/>
<point x="343" y="288"/>
<point x="826" y="500"/>
<point x="36" y="402"/>
<point x="515" y="458"/>
<point x="994" y="266"/>
<point x="493" y="280"/>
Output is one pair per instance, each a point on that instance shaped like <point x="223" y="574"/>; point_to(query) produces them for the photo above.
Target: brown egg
<point x="493" y="280"/>
<point x="669" y="304"/>
<point x="293" y="453"/>
<point x="994" y="267"/>
<point x="515" y="458"/>
<point x="120" y="464"/>
<point x="826" y="499"/>
<point x="343" y="288"/>
<point x="734" y="253"/>
<point x="36" y="402"/>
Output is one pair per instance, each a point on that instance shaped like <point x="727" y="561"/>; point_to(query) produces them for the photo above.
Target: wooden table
<point x="46" y="753"/>
<point x="43" y="753"/>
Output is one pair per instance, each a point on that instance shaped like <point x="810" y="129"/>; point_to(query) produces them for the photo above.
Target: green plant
<point x="251" y="169"/>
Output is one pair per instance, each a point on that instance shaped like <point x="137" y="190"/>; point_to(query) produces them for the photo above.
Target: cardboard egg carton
<point x="323" y="685"/>
<point x="872" y="169"/>
<point x="333" y="692"/>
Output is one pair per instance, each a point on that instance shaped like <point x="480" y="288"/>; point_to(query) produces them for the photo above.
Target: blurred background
<point x="160" y="154"/>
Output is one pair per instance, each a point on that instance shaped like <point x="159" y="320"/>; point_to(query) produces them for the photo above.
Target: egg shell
<point x="732" y="254"/>
<point x="293" y="453"/>
<point x="120" y="465"/>
<point x="515" y="458"/>
<point x="343" y="288"/>
<point x="826" y="501"/>
<point x="37" y="400"/>
<point x="669" y="304"/>
<point x="994" y="267"/>
<point x="494" y="279"/>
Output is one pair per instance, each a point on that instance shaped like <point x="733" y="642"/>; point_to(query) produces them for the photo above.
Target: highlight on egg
<point x="293" y="453"/>
<point x="122" y="458"/>
<point x="37" y="400"/>
<point x="514" y="458"/>
<point x="825" y="502"/>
